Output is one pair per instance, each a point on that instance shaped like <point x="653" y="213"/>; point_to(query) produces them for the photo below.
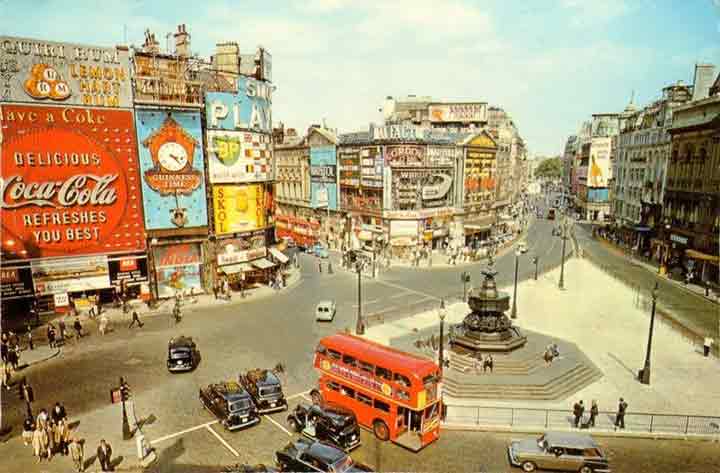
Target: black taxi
<point x="265" y="389"/>
<point x="312" y="456"/>
<point x="328" y="423"/>
<point x="183" y="354"/>
<point x="231" y="404"/>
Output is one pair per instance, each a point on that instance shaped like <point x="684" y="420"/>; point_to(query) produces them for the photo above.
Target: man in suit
<point x="620" y="418"/>
<point x="578" y="410"/>
<point x="104" y="453"/>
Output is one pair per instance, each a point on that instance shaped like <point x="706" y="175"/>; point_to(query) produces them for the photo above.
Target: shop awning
<point x="702" y="256"/>
<point x="262" y="263"/>
<point x="236" y="268"/>
<point x="278" y="255"/>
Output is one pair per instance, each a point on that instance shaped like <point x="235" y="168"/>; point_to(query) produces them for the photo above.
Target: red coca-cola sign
<point x="70" y="182"/>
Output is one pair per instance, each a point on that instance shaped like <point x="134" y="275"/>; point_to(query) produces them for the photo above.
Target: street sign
<point x="115" y="396"/>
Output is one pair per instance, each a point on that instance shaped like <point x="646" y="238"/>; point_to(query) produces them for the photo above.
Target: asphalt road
<point x="258" y="333"/>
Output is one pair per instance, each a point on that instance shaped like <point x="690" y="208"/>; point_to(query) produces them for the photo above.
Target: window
<point x="335" y="355"/>
<point x="402" y="380"/>
<point x="333" y="386"/>
<point x="349" y="360"/>
<point x="366" y="367"/>
<point x="381" y="406"/>
<point x="345" y="391"/>
<point x="404" y="395"/>
<point x="381" y="372"/>
<point x="591" y="452"/>
<point x="574" y="451"/>
<point x="364" y="399"/>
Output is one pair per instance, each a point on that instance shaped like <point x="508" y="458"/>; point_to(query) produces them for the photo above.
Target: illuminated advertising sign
<point x="70" y="275"/>
<point x="422" y="188"/>
<point x="599" y="167"/>
<point x="178" y="269"/>
<point x="247" y="109"/>
<point x="65" y="189"/>
<point x="51" y="73"/>
<point x="443" y="156"/>
<point x="15" y="283"/>
<point x="323" y="177"/>
<point x="163" y="80"/>
<point x="236" y="157"/>
<point x="406" y="156"/>
<point x="172" y="167"/>
<point x="238" y="208"/>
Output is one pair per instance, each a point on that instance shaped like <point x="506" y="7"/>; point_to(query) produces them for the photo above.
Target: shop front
<point x="243" y="262"/>
<point x="178" y="269"/>
<point x="478" y="229"/>
<point x="16" y="289"/>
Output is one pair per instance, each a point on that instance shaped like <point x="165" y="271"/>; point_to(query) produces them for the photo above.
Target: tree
<point x="549" y="169"/>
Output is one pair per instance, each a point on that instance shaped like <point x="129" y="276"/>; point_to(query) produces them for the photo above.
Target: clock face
<point x="172" y="156"/>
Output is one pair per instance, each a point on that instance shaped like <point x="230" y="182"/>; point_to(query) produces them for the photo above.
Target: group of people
<point x="9" y="358"/>
<point x="579" y="412"/>
<point x="486" y="363"/>
<point x="551" y="352"/>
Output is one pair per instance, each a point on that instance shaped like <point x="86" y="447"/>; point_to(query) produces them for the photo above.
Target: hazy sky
<point x="549" y="63"/>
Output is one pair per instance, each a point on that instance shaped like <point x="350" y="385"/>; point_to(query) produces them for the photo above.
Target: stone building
<point x="691" y="211"/>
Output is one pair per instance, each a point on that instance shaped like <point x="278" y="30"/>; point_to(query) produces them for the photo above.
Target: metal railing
<point x="549" y="419"/>
<point x="409" y="309"/>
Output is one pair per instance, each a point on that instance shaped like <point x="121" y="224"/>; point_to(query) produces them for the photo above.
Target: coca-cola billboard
<point x="70" y="183"/>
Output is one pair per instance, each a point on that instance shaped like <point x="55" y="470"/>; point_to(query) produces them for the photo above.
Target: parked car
<point x="326" y="422"/>
<point x="312" y="456"/>
<point x="559" y="452"/>
<point x="231" y="404"/>
<point x="320" y="251"/>
<point x="325" y="311"/>
<point x="241" y="468"/>
<point x="183" y="354"/>
<point x="522" y="247"/>
<point x="265" y="389"/>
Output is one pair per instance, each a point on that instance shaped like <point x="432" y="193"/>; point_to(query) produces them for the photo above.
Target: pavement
<point x="598" y="313"/>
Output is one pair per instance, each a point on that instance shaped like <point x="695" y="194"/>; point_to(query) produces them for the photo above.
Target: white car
<point x="522" y="247"/>
<point x="325" y="311"/>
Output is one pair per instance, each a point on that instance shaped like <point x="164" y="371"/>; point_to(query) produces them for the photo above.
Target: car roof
<point x="231" y="391"/>
<point x="326" y="453"/>
<point x="570" y="439"/>
<point x="269" y="379"/>
<point x="325" y="303"/>
<point x="181" y="341"/>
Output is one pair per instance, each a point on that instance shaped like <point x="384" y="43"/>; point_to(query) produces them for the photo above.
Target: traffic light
<point x="124" y="393"/>
<point x="535" y="260"/>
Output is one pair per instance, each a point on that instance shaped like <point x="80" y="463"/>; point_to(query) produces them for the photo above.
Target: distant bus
<point x="551" y="214"/>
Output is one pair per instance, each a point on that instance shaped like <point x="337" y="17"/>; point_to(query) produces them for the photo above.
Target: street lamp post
<point x="564" y="231"/>
<point x="535" y="262"/>
<point x="442" y="313"/>
<point x="644" y="374"/>
<point x="359" y="326"/>
<point x="513" y="313"/>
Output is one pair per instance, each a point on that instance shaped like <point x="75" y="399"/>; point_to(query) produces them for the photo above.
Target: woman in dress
<point x="40" y="442"/>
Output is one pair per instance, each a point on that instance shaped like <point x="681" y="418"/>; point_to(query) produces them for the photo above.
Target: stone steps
<point x="502" y="366"/>
<point x="559" y="387"/>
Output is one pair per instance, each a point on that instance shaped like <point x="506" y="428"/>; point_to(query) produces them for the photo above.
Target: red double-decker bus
<point x="393" y="393"/>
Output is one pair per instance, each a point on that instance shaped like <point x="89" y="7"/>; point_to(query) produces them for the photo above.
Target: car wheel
<point x="381" y="431"/>
<point x="294" y="426"/>
<point x="316" y="396"/>
<point x="586" y="469"/>
<point x="528" y="466"/>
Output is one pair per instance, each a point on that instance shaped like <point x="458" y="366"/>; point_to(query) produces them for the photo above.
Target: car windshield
<point x="340" y="418"/>
<point x="269" y="390"/>
<point x="342" y="465"/>
<point x="179" y="354"/>
<point x="239" y="405"/>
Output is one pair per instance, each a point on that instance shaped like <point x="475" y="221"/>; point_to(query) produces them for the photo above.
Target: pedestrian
<point x="14" y="356"/>
<point x="578" y="410"/>
<point x="215" y="290"/>
<point x="51" y="335"/>
<point x="3" y="351"/>
<point x="42" y="419"/>
<point x="13" y="339"/>
<point x="76" y="452"/>
<point x="31" y="345"/>
<point x="593" y="413"/>
<point x="620" y="417"/>
<point x="707" y="345"/>
<point x="28" y="428"/>
<point x="104" y="454"/>
<point x="40" y="442"/>
<point x="58" y="413"/>
<point x="78" y="328"/>
<point x="488" y="363"/>
<point x="102" y="327"/>
<point x="61" y="329"/>
<point x="477" y="363"/>
<point x="5" y="374"/>
<point x="319" y="265"/>
<point x="60" y="434"/>
<point x="136" y="318"/>
<point x="284" y="279"/>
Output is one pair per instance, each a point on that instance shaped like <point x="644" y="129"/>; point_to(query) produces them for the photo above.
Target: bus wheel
<point x="380" y="429"/>
<point x="316" y="396"/>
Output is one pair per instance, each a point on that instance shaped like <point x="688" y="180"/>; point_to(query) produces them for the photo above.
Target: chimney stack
<point x="182" y="42"/>
<point x="151" y="45"/>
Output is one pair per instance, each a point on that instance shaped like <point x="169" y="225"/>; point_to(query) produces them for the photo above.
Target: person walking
<point x="51" y="335"/>
<point x="593" y="413"/>
<point x="620" y="417"/>
<point x="103" y="324"/>
<point x="58" y="413"/>
<point x="578" y="410"/>
<point x="14" y="357"/>
<point x="3" y="351"/>
<point x="104" y="454"/>
<point x="77" y="454"/>
<point x="40" y="442"/>
<point x="78" y="329"/>
<point x="61" y="329"/>
<point x="31" y="345"/>
<point x="136" y="317"/>
<point x="5" y="374"/>
<point x="28" y="429"/>
<point x="707" y="346"/>
<point x="61" y="434"/>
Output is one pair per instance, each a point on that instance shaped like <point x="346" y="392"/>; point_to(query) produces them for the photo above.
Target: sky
<point x="549" y="63"/>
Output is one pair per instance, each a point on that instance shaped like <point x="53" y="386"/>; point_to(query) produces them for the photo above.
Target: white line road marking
<point x="399" y="295"/>
<point x="278" y="424"/>
<point x="374" y="301"/>
<point x="222" y="441"/>
<point x="183" y="432"/>
<point x="397" y="286"/>
<point x="302" y="394"/>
